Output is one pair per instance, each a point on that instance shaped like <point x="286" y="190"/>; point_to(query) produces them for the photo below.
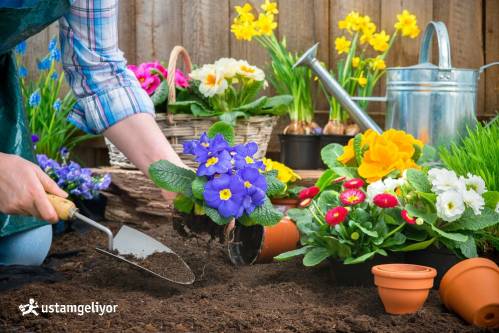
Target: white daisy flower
<point x="443" y="180"/>
<point x="450" y="206"/>
<point x="475" y="183"/>
<point x="473" y="200"/>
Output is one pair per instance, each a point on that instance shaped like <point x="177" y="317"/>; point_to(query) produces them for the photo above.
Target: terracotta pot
<point x="471" y="289"/>
<point x="285" y="204"/>
<point x="403" y="288"/>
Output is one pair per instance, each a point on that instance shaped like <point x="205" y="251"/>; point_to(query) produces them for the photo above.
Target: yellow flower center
<point x="211" y="161"/>
<point x="353" y="198"/>
<point x="205" y="144"/>
<point x="247" y="184"/>
<point x="249" y="160"/>
<point x="450" y="205"/>
<point x="211" y="80"/>
<point x="225" y="194"/>
<point x="247" y="69"/>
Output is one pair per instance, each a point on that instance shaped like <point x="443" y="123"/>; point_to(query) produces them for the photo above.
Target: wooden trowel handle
<point x="65" y="208"/>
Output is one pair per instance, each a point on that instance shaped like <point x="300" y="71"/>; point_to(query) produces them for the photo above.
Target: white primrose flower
<point x="473" y="200"/>
<point x="249" y="71"/>
<point x="475" y="183"/>
<point x="443" y="180"/>
<point x="229" y="66"/>
<point x="213" y="82"/>
<point x="450" y="206"/>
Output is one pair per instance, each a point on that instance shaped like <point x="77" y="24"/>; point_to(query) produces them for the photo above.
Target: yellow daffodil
<point x="355" y="62"/>
<point x="244" y="30"/>
<point x="270" y="7"/>
<point x="407" y="24"/>
<point x="352" y="22"/>
<point x="265" y="24"/>
<point x="377" y="64"/>
<point x="362" y="80"/>
<point x="367" y="32"/>
<point x="342" y="45"/>
<point x="379" y="41"/>
<point x="244" y="12"/>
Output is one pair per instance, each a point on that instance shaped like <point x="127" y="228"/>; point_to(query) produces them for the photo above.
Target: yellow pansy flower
<point x="270" y="7"/>
<point x="355" y="62"/>
<point x="265" y="24"/>
<point x="377" y="63"/>
<point x="342" y="45"/>
<point x="379" y="41"/>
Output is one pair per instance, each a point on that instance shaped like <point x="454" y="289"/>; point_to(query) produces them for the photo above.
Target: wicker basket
<point x="179" y="128"/>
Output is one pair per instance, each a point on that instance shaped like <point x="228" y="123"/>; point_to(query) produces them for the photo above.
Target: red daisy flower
<point x="309" y="192"/>
<point x="352" y="197"/>
<point x="407" y="217"/>
<point x="354" y="183"/>
<point x="336" y="215"/>
<point x="385" y="200"/>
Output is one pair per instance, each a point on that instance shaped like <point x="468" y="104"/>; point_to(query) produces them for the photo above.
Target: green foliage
<point x="215" y="216"/>
<point x="418" y="180"/>
<point x="478" y="154"/>
<point x="266" y="215"/>
<point x="330" y="154"/>
<point x="223" y="128"/>
<point x="274" y="186"/>
<point x="161" y="93"/>
<point x="198" y="187"/>
<point x="183" y="203"/>
<point x="172" y="178"/>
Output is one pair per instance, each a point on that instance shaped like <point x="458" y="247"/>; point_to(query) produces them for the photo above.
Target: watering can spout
<point x="336" y="90"/>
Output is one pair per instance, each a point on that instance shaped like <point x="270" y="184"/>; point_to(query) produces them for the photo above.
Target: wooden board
<point x="491" y="55"/>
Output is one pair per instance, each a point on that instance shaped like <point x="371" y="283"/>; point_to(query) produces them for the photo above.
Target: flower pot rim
<point x="461" y="267"/>
<point x="404" y="271"/>
<point x="285" y="201"/>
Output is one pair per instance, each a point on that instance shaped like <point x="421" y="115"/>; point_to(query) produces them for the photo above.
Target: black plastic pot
<point x="300" y="152"/>
<point x="360" y="274"/>
<point x="339" y="139"/>
<point x="441" y="259"/>
<point x="94" y="209"/>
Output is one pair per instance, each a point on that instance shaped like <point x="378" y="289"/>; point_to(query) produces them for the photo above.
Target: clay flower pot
<point x="471" y="289"/>
<point x="403" y="288"/>
<point x="258" y="244"/>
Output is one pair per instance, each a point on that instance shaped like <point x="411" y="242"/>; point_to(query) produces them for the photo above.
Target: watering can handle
<point x="444" y="58"/>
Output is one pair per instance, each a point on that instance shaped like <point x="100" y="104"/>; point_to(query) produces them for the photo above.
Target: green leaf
<point x="330" y="154"/>
<point x="418" y="180"/>
<point x="414" y="246"/>
<point x="360" y="215"/>
<point x="468" y="248"/>
<point x="231" y="117"/>
<point x="349" y="172"/>
<point x="366" y="231"/>
<point x="198" y="187"/>
<point x="426" y="213"/>
<point x="277" y="101"/>
<point x="452" y="236"/>
<point x="183" y="204"/>
<point x="274" y="185"/>
<point x="168" y="176"/>
<point x="491" y="199"/>
<point x="470" y="221"/>
<point x="315" y="256"/>
<point x="362" y="258"/>
<point x="357" y="147"/>
<point x="161" y="94"/>
<point x="215" y="216"/>
<point x="415" y="234"/>
<point x="417" y="152"/>
<point x="266" y="214"/>
<point x="325" y="179"/>
<point x="397" y="239"/>
<point x="327" y="200"/>
<point x="226" y="130"/>
<point x="429" y="155"/>
<point x="255" y="105"/>
<point x="198" y="110"/>
<point x="291" y="254"/>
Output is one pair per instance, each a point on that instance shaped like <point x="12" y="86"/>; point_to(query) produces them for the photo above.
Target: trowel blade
<point x="131" y="241"/>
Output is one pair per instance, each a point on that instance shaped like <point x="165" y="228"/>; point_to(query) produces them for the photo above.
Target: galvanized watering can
<point x="433" y="103"/>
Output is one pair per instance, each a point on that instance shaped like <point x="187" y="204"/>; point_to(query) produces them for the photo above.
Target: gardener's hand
<point x="23" y="188"/>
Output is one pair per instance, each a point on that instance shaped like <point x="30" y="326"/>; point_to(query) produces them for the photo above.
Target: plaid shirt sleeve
<point x="106" y="90"/>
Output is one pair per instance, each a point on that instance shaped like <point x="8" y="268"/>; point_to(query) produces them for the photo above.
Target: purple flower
<point x="44" y="64"/>
<point x="64" y="153"/>
<point x="35" y="138"/>
<point x="55" y="54"/>
<point x="256" y="186"/>
<point x="243" y="156"/>
<point x="216" y="163"/>
<point x="225" y="193"/>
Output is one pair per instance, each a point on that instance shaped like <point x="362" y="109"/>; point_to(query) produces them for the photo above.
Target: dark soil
<point x="283" y="297"/>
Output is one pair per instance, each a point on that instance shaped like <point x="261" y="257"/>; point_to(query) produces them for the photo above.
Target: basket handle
<point x="172" y="68"/>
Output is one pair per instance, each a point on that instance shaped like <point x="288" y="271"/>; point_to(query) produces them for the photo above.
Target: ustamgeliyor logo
<point x="32" y="307"/>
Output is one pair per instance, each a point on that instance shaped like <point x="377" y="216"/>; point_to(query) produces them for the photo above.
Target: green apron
<point x="19" y="20"/>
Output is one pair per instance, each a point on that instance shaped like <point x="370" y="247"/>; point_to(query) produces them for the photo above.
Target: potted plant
<point x="375" y="199"/>
<point x="299" y="141"/>
<point x="362" y="63"/>
<point x="229" y="186"/>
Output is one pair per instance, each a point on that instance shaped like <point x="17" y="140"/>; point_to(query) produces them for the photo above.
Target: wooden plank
<point x="464" y="22"/>
<point x="158" y="28"/>
<point x="126" y="29"/>
<point x="491" y="55"/>
<point x="206" y="29"/>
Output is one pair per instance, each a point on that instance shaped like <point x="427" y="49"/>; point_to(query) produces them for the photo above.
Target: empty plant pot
<point x="403" y="288"/>
<point x="300" y="151"/>
<point x="471" y="289"/>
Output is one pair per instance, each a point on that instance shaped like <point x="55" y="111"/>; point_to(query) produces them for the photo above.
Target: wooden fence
<point x="150" y="28"/>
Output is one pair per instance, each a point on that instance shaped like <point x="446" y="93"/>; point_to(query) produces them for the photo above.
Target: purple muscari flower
<point x="23" y="72"/>
<point x="225" y="193"/>
<point x="256" y="186"/>
<point x="44" y="64"/>
<point x="21" y="48"/>
<point x="35" y="138"/>
<point x="217" y="163"/>
<point x="57" y="105"/>
<point x="35" y="98"/>
<point x="243" y="156"/>
<point x="55" y="54"/>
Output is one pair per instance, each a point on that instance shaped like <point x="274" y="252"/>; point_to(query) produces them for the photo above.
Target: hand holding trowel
<point x="132" y="246"/>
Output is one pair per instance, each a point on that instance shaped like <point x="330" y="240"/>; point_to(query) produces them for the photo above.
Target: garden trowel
<point x="129" y="245"/>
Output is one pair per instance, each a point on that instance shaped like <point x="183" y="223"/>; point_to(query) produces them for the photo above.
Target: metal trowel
<point x="128" y="242"/>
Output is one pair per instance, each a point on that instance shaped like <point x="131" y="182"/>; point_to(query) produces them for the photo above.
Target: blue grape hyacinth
<point x="35" y="98"/>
